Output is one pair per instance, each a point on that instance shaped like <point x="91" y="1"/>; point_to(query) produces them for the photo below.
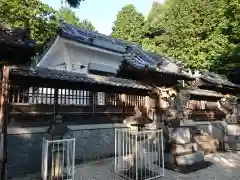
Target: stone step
<point x="235" y="146"/>
<point x="187" y="159"/>
<point x="232" y="139"/>
<point x="183" y="148"/>
<point x="233" y="130"/>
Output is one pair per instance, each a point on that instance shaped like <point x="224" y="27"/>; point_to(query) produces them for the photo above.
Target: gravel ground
<point x="226" y="166"/>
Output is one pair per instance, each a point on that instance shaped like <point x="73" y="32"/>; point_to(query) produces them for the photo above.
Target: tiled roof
<point x="218" y="80"/>
<point x="46" y="73"/>
<point x="74" y="33"/>
<point x="16" y="46"/>
<point x="139" y="59"/>
<point x="132" y="53"/>
<point x="17" y="37"/>
<point x="204" y="92"/>
<point x="234" y="76"/>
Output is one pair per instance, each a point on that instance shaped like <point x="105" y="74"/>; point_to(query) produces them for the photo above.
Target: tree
<point x="129" y="24"/>
<point x="74" y="3"/>
<point x="200" y="33"/>
<point x="154" y="28"/>
<point x="37" y="16"/>
<point x="86" y="24"/>
<point x="41" y="19"/>
<point x="69" y="16"/>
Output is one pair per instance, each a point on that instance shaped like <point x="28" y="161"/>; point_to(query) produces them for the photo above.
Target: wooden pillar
<point x="4" y="91"/>
<point x="4" y="119"/>
<point x="55" y="106"/>
<point x="93" y="101"/>
<point x="124" y="99"/>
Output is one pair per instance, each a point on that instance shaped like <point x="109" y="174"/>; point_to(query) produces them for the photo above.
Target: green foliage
<point x="74" y="3"/>
<point x="199" y="32"/>
<point x="69" y="16"/>
<point x="87" y="25"/>
<point x="42" y="20"/>
<point x="204" y="34"/>
<point x="129" y="24"/>
<point x="38" y="16"/>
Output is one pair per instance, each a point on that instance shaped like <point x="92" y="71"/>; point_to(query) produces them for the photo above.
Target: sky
<point x="102" y="13"/>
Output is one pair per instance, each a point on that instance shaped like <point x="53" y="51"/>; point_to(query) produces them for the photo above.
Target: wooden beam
<point x="50" y="83"/>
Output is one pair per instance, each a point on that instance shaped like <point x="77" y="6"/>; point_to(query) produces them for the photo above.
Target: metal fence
<point x="139" y="154"/>
<point x="58" y="159"/>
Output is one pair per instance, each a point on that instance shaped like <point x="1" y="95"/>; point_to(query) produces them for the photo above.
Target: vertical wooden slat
<point x="40" y="94"/>
<point x="72" y="97"/>
<point x="61" y="95"/>
<point x="55" y="105"/>
<point x="80" y="97"/>
<point x="18" y="95"/>
<point x="76" y="97"/>
<point x="13" y="94"/>
<point x="65" y="94"/>
<point x="88" y="98"/>
<point x="69" y="96"/>
<point x="93" y="101"/>
<point x="33" y="95"/>
<point x="84" y="98"/>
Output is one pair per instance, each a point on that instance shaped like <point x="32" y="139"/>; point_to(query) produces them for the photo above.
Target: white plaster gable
<point x="73" y="56"/>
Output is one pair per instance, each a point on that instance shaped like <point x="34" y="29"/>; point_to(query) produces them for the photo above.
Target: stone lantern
<point x="58" y="156"/>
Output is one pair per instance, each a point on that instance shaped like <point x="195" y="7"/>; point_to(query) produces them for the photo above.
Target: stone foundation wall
<point x="214" y="128"/>
<point x="227" y="134"/>
<point x="25" y="148"/>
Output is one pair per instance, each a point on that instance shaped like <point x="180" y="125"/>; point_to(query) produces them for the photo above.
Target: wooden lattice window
<point x="74" y="97"/>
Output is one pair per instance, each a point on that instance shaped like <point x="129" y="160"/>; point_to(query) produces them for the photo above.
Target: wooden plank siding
<point x="33" y="103"/>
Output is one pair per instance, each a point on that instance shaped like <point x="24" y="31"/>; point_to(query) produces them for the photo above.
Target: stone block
<point x="208" y="144"/>
<point x="232" y="139"/>
<point x="190" y="159"/>
<point x="232" y="142"/>
<point x="232" y="146"/>
<point x="233" y="130"/>
<point x="183" y="148"/>
<point x="180" y="135"/>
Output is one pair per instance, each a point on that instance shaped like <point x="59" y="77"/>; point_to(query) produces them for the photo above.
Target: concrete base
<point x="232" y="143"/>
<point x="188" y="159"/>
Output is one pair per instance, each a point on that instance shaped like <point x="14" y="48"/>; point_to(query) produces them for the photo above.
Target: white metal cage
<point x="139" y="154"/>
<point x="58" y="159"/>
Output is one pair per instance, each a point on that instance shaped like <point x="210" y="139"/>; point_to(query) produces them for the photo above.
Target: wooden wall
<point x="35" y="105"/>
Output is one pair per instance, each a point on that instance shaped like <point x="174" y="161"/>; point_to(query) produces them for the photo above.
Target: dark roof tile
<point x="77" y="77"/>
<point x="132" y="52"/>
<point x="204" y="92"/>
<point x="218" y="80"/>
